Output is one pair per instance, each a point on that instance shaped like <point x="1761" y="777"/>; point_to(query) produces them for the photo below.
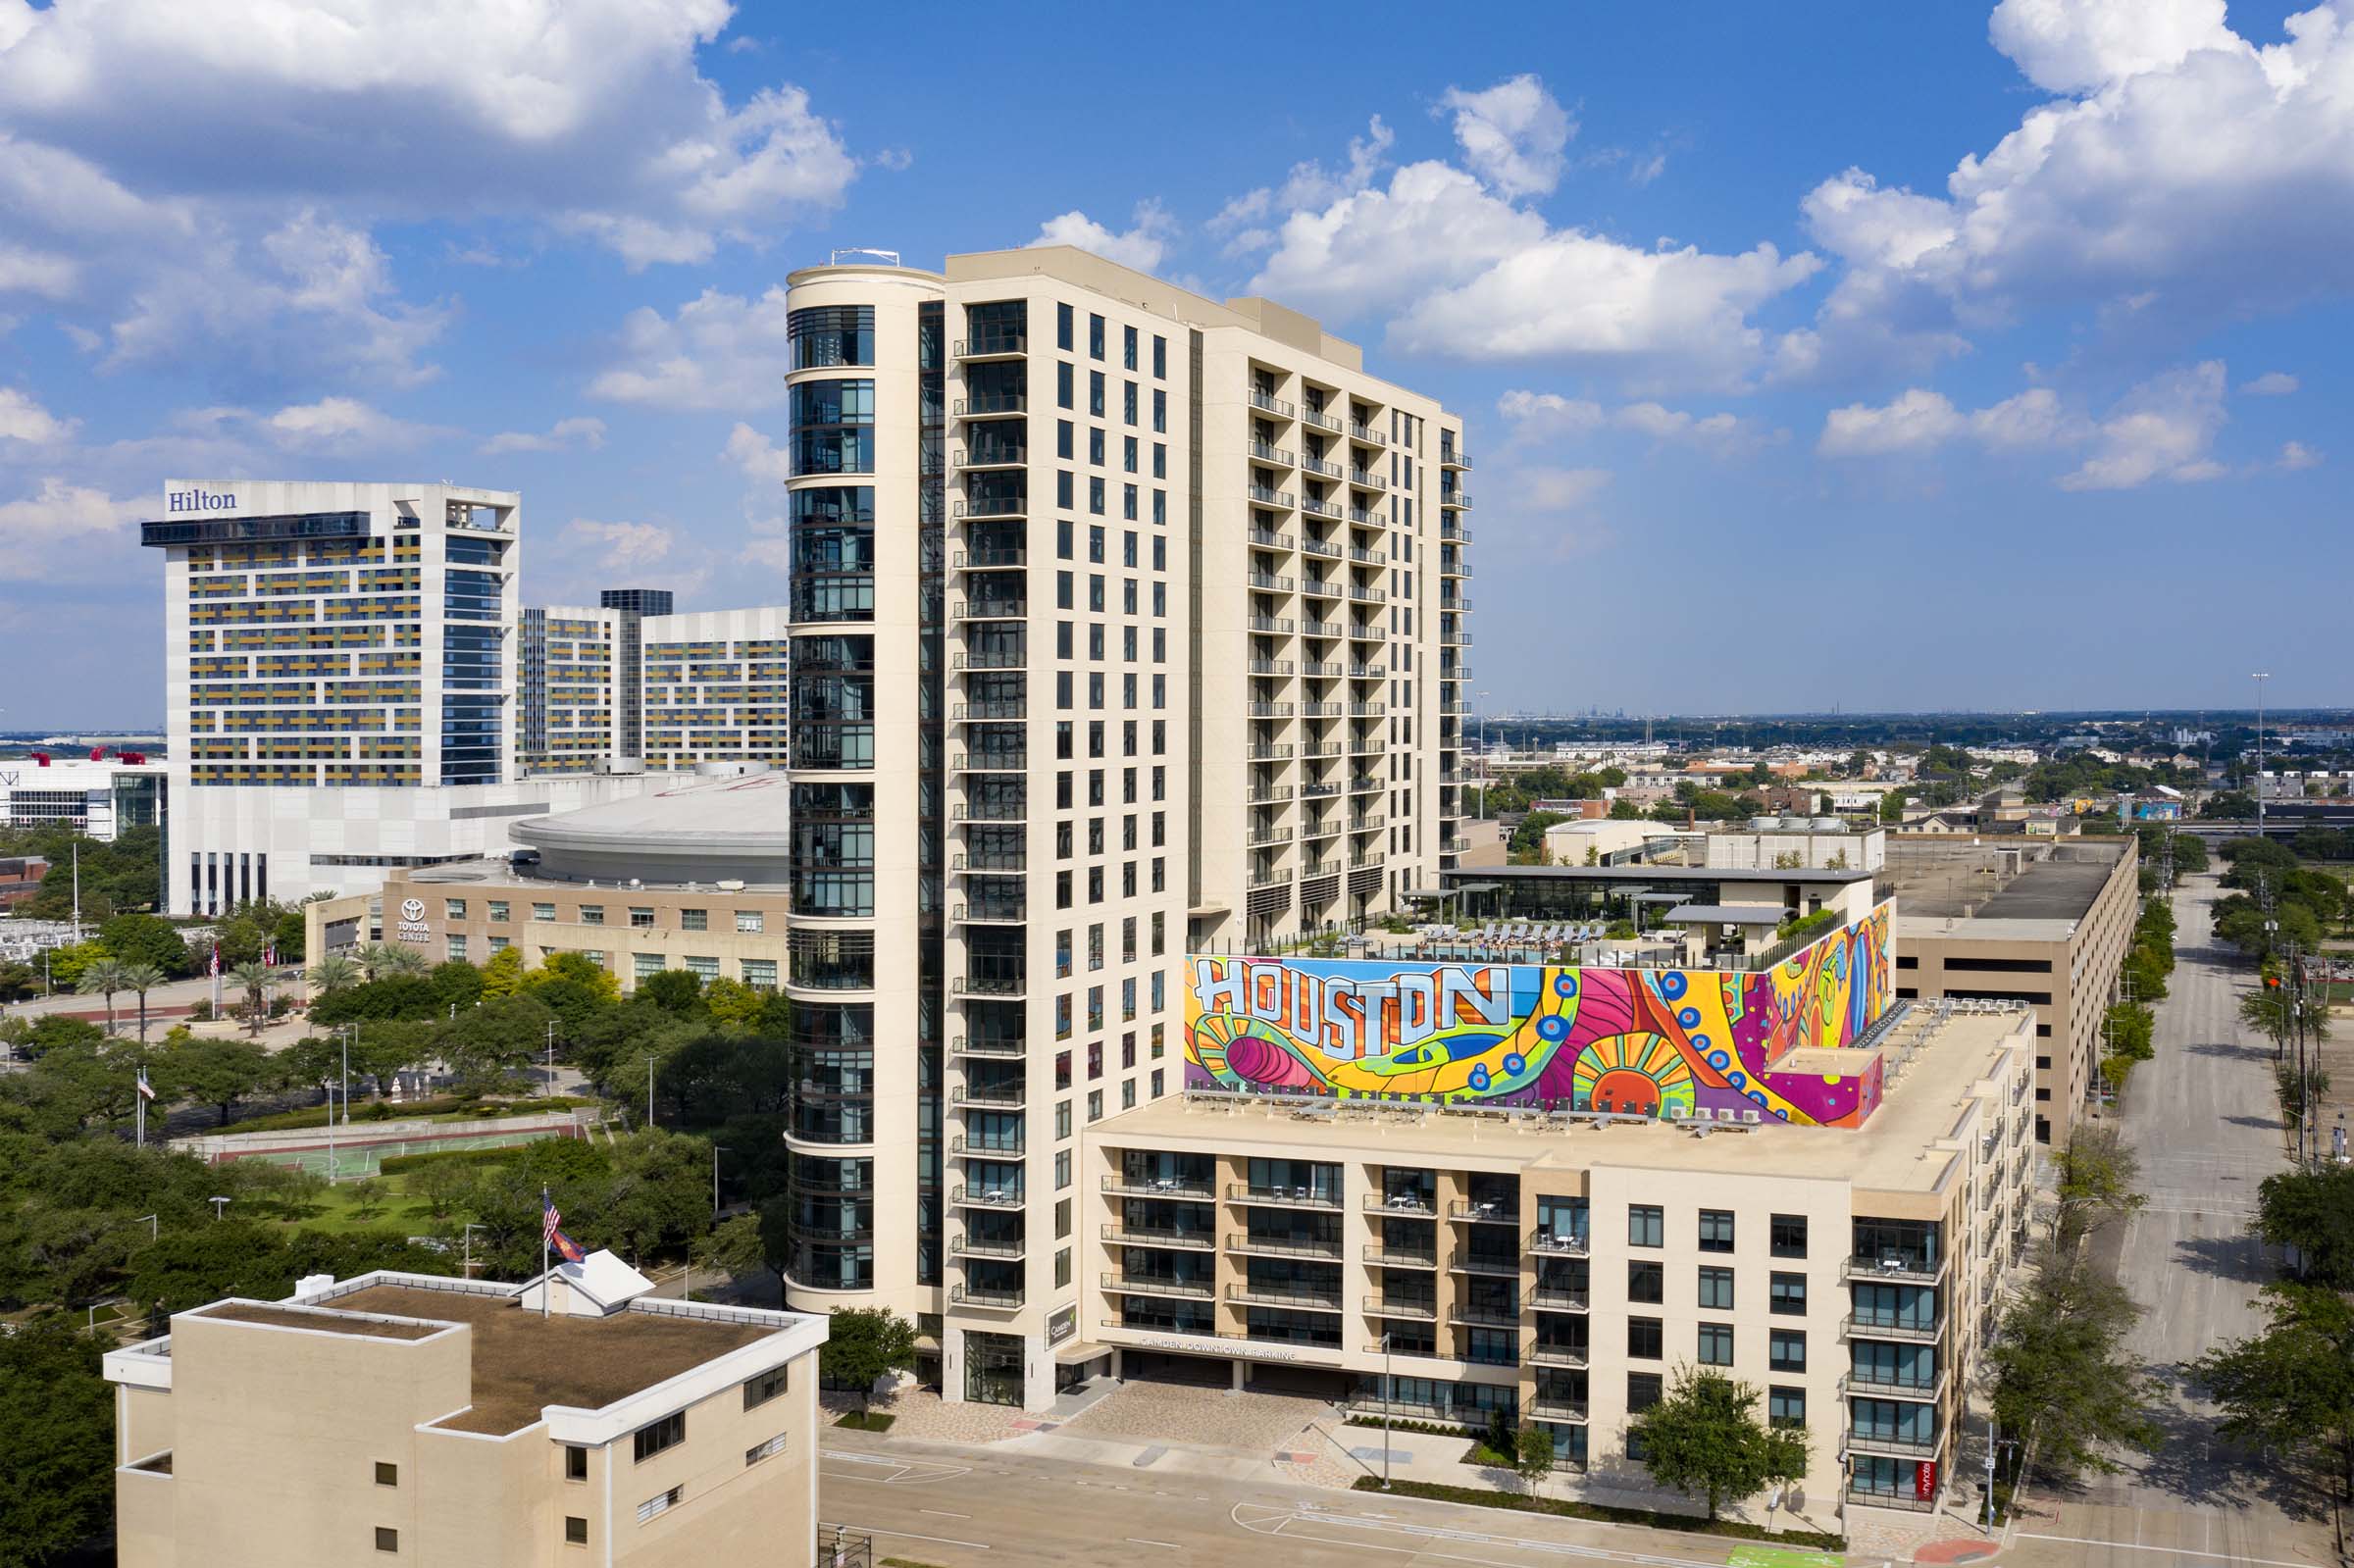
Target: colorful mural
<point x="1654" y="1041"/>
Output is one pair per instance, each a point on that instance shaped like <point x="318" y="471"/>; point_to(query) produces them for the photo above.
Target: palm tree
<point x="254" y="977"/>
<point x="332" y="974"/>
<point x="103" y="976"/>
<point x="398" y="959"/>
<point x="142" y="978"/>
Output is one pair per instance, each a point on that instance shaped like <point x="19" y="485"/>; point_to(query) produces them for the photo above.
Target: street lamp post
<point x="1389" y="1396"/>
<point x="2260" y="677"/>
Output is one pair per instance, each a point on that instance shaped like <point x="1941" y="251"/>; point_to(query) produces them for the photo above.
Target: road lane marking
<point x="943" y="1513"/>
<point x="1140" y="1541"/>
<point x="2171" y="1551"/>
<point x="905" y="1535"/>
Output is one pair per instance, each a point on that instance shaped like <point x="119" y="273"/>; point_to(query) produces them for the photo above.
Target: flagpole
<point x="546" y="1283"/>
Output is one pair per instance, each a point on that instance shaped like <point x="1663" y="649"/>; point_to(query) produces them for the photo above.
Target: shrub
<point x="1529" y="1502"/>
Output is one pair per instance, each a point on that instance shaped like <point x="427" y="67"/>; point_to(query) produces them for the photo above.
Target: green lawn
<point x="338" y="1211"/>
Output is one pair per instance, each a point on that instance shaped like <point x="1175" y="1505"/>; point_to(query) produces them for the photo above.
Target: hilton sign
<point x="198" y="501"/>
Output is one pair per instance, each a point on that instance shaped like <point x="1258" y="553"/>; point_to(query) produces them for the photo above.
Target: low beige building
<point x="2043" y="924"/>
<point x="1560" y="1266"/>
<point x="440" y="1421"/>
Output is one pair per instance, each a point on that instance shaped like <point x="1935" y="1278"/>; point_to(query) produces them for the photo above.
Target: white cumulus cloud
<point x="2297" y="455"/>
<point x="1142" y="245"/>
<point x="1515" y="136"/>
<point x="620" y="546"/>
<point x="718" y="351"/>
<point x="24" y="419"/>
<point x="2164" y="429"/>
<point x="2272" y="383"/>
<point x="584" y="432"/>
<point x="61" y="532"/>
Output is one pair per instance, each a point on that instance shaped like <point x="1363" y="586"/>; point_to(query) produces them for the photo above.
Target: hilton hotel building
<point x="1124" y="621"/>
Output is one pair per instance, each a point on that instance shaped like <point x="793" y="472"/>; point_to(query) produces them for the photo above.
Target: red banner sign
<point x="1925" y="1480"/>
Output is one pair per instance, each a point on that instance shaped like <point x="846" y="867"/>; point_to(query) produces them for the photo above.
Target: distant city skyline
<point x="1895" y="358"/>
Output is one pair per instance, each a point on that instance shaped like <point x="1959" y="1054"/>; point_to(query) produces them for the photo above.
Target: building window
<point x="1787" y="1295"/>
<point x="576" y="1462"/>
<point x="1715" y="1345"/>
<point x="544" y="914"/>
<point x="655" y="1437"/>
<point x="767" y="1386"/>
<point x="1789" y="1235"/>
<point x="1647" y="1281"/>
<point x="1786" y="1406"/>
<point x="386" y="1539"/>
<point x="1645" y="1339"/>
<point x="576" y="1530"/>
<point x="1786" y="1350"/>
<point x="499" y="909"/>
<point x="766" y="1450"/>
<point x="387" y="1475"/>
<point x="455" y="946"/>
<point x="694" y="920"/>
<point x="592" y="914"/>
<point x="1716" y="1290"/>
<point x="1716" y="1230"/>
<point x="705" y="970"/>
<point x="454" y="908"/>
<point x="640" y="919"/>
<point x="749" y="921"/>
<point x="1643" y="1390"/>
<point x="660" y="1503"/>
<point x="1646" y="1225"/>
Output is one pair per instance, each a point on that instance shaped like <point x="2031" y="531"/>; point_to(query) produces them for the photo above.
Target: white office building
<point x="632" y="684"/>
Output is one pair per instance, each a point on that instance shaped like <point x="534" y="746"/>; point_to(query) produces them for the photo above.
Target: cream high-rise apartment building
<point x="1125" y="621"/>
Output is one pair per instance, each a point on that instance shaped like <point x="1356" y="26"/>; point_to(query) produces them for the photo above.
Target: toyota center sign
<point x="412" y="921"/>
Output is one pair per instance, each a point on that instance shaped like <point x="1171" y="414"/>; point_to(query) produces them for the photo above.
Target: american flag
<point x="550" y="1219"/>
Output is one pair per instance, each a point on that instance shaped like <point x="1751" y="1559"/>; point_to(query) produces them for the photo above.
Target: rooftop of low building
<point x="1944" y="878"/>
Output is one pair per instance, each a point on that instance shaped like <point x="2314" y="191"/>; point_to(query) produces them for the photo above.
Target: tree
<point x="456" y="983"/>
<point x="502" y="976"/>
<point x="2289" y="1391"/>
<point x="864" y="1345"/>
<point x="104" y="977"/>
<point x="732" y="1001"/>
<point x="56" y="1466"/>
<point x="141" y="978"/>
<point x="217" y="1071"/>
<point x="66" y="964"/>
<point x="2313" y="1212"/>
<point x="148" y="939"/>
<point x="331" y="974"/>
<point x="439" y="1182"/>
<point x="253" y="977"/>
<point x="777" y="1229"/>
<point x="1705" y="1437"/>
<point x="2060" y="1368"/>
<point x="578" y="969"/>
<point x="1527" y="846"/>
<point x="391" y="960"/>
<point x="2099" y="1180"/>
<point x="733" y="1247"/>
<point x="673" y="990"/>
<point x="1532" y="1455"/>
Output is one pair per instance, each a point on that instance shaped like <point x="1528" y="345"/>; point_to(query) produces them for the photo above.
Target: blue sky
<point x="1879" y="356"/>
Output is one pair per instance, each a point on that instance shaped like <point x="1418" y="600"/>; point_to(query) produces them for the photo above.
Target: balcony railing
<point x="1296" y="1197"/>
<point x="984" y="1197"/>
<point x="1192" y="1240"/>
<point x="1243" y="1244"/>
<point x="1485" y="1264"/>
<point x="992" y="403"/>
<point x="1401" y="1257"/>
<point x="1546" y="1299"/>
<point x="1175" y="1186"/>
<point x="1872" y="1267"/>
<point x="1871" y="1327"/>
<point x="993" y="345"/>
<point x="1542" y="1355"/>
<point x="1000" y="1049"/>
<point x="1483" y="1212"/>
<point x="1145" y="1285"/>
<point x="971" y="1246"/>
<point x="992" y="1149"/>
<point x="1864" y="1442"/>
<point x="1420" y="1308"/>
<point x="1298" y="1300"/>
<point x="1269" y="403"/>
<point x="989" y="1298"/>
<point x="1483" y="1317"/>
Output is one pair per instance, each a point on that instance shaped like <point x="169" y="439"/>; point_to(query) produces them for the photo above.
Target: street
<point x="959" y="1507"/>
<point x="2202" y="1119"/>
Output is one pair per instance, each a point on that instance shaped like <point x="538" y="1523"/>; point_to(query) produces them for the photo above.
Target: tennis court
<point x="350" y="1162"/>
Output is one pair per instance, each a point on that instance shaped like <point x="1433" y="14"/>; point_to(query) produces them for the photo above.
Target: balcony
<point x="1262" y="496"/>
<point x="999" y="711"/>
<point x="994" y="1049"/>
<point x="1288" y="1198"/>
<point x="985" y="1299"/>
<point x="1366" y="479"/>
<point x="1870" y="1386"/>
<point x="1569" y="1410"/>
<point x="1418" y="1308"/>
<point x="987" y="1099"/>
<point x="1487" y="1266"/>
<point x="1242" y="1245"/>
<point x="1268" y="582"/>
<point x="966" y="1247"/>
<point x="989" y="762"/>
<point x="1323" y="549"/>
<point x="1158" y="1235"/>
<point x="1277" y="455"/>
<point x="1297" y="1300"/>
<point x="1893" y="1268"/>
<point x="1453" y="847"/>
<point x="999" y="455"/>
<point x="1484" y="1212"/>
<point x="1552" y="1298"/>
<point x="990" y="610"/>
<point x="994" y="659"/>
<point x="1011" y="506"/>
<point x="1273" y="626"/>
<point x="984" y="1197"/>
<point x="1145" y="1285"/>
<point x="991" y="912"/>
<point x="1454" y="457"/>
<point x="1470" y="1315"/>
<point x="1316" y="508"/>
<point x="1864" y="1441"/>
<point x="1322" y="420"/>
<point x="1315" y="628"/>
<point x="1367" y="434"/>
<point x="1401" y="1257"/>
<point x="1175" y="1186"/>
<point x="1457" y="499"/>
<point x="989" y="860"/>
<point x="1542" y="1355"/>
<point x="1860" y="1497"/>
<point x="1269" y="540"/>
<point x="1322" y="588"/>
<point x="991" y="560"/>
<point x="1267" y="837"/>
<point x="996" y="1149"/>
<point x="1269" y="403"/>
<point x="994" y="345"/>
<point x="986" y="985"/>
<point x="994" y="811"/>
<point x="991" y="405"/>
